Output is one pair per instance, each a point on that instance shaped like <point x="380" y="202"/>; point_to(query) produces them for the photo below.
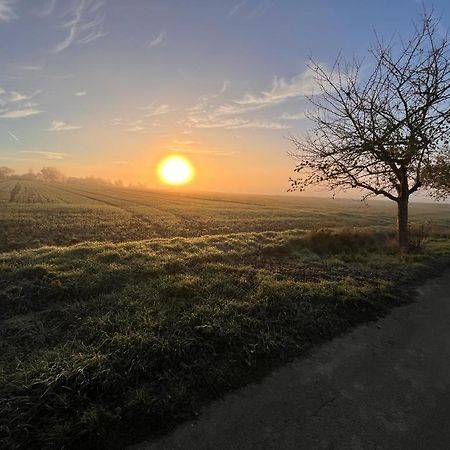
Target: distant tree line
<point x="54" y="175"/>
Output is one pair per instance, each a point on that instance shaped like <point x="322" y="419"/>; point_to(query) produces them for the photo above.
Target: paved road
<point x="385" y="385"/>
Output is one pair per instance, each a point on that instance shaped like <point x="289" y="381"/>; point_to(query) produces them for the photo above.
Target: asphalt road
<point x="385" y="385"/>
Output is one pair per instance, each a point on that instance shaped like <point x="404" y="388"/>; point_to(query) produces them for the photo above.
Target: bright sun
<point x="175" y="170"/>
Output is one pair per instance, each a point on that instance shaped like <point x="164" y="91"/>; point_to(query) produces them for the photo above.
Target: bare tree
<point x="381" y="126"/>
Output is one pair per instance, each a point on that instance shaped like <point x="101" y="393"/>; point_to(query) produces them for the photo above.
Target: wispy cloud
<point x="205" y="99"/>
<point x="235" y="114"/>
<point x="281" y="91"/>
<point x="13" y="136"/>
<point x="6" y="10"/>
<point x="85" y="24"/>
<point x="15" y="105"/>
<point x="153" y="109"/>
<point x="261" y="8"/>
<point x="136" y="129"/>
<point x="293" y="116"/>
<point x="186" y="147"/>
<point x="134" y="126"/>
<point x="48" y="8"/>
<point x="19" y="113"/>
<point x="30" y="67"/>
<point x="213" y="121"/>
<point x="158" y="40"/>
<point x="81" y="93"/>
<point x="15" y="97"/>
<point x="184" y="142"/>
<point x="236" y="8"/>
<point x="59" y="125"/>
<point x="45" y="154"/>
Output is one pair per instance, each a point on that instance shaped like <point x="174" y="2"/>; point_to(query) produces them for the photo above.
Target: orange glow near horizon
<point x="175" y="170"/>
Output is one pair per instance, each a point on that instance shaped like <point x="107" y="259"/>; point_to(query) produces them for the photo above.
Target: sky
<point x="110" y="87"/>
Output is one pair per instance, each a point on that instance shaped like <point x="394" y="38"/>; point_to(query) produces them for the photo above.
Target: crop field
<point x="123" y="312"/>
<point x="34" y="214"/>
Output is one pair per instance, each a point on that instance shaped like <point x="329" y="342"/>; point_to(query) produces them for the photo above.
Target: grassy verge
<point x="103" y="343"/>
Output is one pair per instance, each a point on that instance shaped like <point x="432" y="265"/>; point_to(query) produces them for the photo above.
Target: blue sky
<point x="109" y="87"/>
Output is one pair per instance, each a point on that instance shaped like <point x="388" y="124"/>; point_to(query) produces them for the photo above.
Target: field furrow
<point x="34" y="214"/>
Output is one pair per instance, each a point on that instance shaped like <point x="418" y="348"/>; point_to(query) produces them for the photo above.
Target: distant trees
<point x="5" y="173"/>
<point x="30" y="175"/>
<point x="383" y="127"/>
<point x="52" y="175"/>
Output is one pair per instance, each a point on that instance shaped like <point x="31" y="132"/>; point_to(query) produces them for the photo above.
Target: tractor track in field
<point x="140" y="217"/>
<point x="14" y="191"/>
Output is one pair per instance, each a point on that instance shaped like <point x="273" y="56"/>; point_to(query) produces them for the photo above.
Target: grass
<point x="122" y="312"/>
<point x="103" y="343"/>
<point x="34" y="214"/>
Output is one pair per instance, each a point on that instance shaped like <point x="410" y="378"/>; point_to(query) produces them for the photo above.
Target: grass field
<point x="187" y="297"/>
<point x="34" y="214"/>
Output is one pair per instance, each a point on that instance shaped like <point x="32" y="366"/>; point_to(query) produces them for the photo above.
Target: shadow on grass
<point x="102" y="344"/>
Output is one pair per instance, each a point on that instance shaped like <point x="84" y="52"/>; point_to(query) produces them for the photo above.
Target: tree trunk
<point x="402" y="223"/>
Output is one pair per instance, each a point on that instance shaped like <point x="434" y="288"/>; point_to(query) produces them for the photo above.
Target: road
<point x="385" y="385"/>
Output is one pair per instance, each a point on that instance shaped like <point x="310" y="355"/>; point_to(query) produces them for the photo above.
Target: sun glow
<point x="175" y="170"/>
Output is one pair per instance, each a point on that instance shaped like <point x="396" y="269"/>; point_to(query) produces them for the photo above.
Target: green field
<point x="34" y="214"/>
<point x="171" y="300"/>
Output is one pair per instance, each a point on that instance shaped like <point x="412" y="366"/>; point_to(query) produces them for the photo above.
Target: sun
<point x="175" y="170"/>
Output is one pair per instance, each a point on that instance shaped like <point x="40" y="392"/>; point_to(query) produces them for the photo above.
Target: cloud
<point x="204" y="99"/>
<point x="236" y="8"/>
<point x="233" y="123"/>
<point x="15" y="106"/>
<point x="261" y="8"/>
<point x="293" y="116"/>
<point x="13" y="136"/>
<point x="155" y="110"/>
<point x="158" y="40"/>
<point x="45" y="154"/>
<point x="15" y="97"/>
<point x="48" y="8"/>
<point x="30" y="67"/>
<point x="132" y="126"/>
<point x="281" y="91"/>
<point x="136" y="129"/>
<point x="19" y="113"/>
<point x="80" y="94"/>
<point x="183" y="142"/>
<point x="6" y="11"/>
<point x="85" y="25"/>
<point x="59" y="125"/>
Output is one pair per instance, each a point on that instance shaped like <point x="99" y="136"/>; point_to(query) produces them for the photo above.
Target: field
<point x="169" y="300"/>
<point x="35" y="214"/>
